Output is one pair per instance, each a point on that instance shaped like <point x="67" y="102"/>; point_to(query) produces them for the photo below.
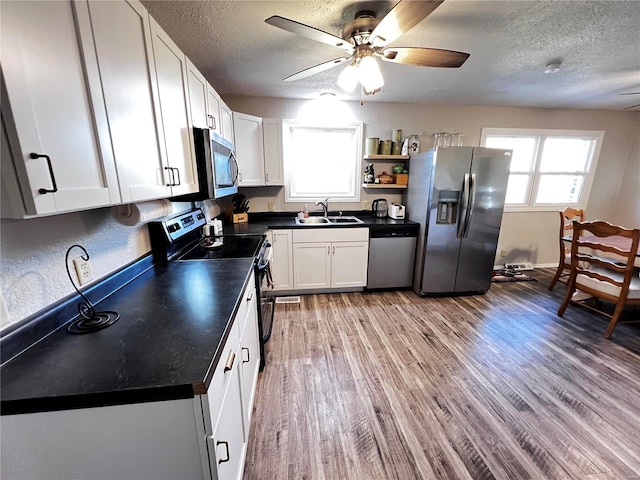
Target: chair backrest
<point x="593" y="246"/>
<point x="567" y="216"/>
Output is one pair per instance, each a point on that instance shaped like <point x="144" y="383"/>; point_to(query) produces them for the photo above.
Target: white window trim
<point x="597" y="135"/>
<point x="357" y="128"/>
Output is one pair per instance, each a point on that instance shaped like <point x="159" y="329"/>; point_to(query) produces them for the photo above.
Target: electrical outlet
<point x="366" y="205"/>
<point x="272" y="206"/>
<point x="503" y="253"/>
<point x="83" y="270"/>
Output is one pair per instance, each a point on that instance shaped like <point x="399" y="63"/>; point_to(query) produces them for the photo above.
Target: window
<point x="322" y="161"/>
<point x="550" y="169"/>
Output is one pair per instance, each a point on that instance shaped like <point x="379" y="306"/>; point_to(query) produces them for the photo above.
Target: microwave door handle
<point x="237" y="168"/>
<point x="472" y="204"/>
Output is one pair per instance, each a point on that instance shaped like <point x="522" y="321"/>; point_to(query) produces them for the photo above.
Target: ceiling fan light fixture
<point x="348" y="79"/>
<point x="369" y="75"/>
<point x="552" y="67"/>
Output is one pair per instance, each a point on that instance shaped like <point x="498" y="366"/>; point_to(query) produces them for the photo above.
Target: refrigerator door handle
<point x="464" y="207"/>
<point x="472" y="203"/>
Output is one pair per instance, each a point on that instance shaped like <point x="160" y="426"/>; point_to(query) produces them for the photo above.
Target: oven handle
<point x="263" y="266"/>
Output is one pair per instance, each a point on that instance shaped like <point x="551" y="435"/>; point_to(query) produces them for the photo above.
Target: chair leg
<point x="556" y="276"/>
<point x="567" y="299"/>
<point x="614" y="319"/>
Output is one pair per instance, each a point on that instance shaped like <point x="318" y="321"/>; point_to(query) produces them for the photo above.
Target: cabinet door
<point x="226" y="119"/>
<point x="226" y="445"/>
<point x="54" y="95"/>
<point x="272" y="135"/>
<point x="349" y="264"/>
<point x="249" y="149"/>
<point x="197" y="96"/>
<point x="171" y="72"/>
<point x="282" y="263"/>
<point x="250" y="357"/>
<point x="312" y="265"/>
<point x="213" y="112"/>
<point x="125" y="58"/>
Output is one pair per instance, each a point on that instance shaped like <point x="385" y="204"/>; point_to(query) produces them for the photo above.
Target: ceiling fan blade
<point x="403" y="17"/>
<point x="632" y="106"/>
<point x="315" y="69"/>
<point x="309" y="32"/>
<point x="425" y="57"/>
<point x="631" y="93"/>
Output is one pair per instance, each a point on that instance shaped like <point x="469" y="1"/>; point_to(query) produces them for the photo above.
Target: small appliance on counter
<point x="380" y="207"/>
<point x="396" y="211"/>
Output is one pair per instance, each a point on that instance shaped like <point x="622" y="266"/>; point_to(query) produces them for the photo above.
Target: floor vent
<point x="518" y="266"/>
<point x="287" y="299"/>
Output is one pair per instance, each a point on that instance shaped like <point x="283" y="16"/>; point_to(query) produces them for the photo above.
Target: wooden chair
<point x="567" y="216"/>
<point x="603" y="278"/>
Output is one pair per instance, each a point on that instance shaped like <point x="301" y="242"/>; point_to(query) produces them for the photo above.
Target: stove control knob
<point x="200" y="216"/>
<point x="174" y="227"/>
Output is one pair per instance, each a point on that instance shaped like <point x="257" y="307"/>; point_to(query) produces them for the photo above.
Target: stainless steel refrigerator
<point x="457" y="195"/>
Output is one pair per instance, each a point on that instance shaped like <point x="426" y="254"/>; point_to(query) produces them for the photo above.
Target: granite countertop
<point x="174" y="320"/>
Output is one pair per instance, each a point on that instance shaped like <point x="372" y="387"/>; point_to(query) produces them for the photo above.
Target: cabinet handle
<point x="248" y="355"/>
<point x="239" y="177"/>
<point x="229" y="365"/>
<point x="334" y="249"/>
<point x="267" y="177"/>
<point x="328" y="250"/>
<point x="213" y="122"/>
<point x="178" y="172"/>
<point x="226" y="446"/>
<point x="250" y="296"/>
<point x="53" y="177"/>
<point x="173" y="180"/>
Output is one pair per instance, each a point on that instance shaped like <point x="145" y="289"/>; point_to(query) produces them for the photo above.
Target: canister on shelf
<point x="396" y="135"/>
<point x="385" y="147"/>
<point x="371" y="146"/>
<point x="396" y="148"/>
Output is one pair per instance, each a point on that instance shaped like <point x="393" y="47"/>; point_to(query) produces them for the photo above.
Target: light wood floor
<point x="394" y="386"/>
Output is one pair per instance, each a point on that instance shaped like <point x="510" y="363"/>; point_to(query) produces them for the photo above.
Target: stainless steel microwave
<point x="217" y="166"/>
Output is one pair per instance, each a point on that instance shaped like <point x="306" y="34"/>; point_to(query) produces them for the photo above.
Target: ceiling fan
<point x="632" y="106"/>
<point x="365" y="39"/>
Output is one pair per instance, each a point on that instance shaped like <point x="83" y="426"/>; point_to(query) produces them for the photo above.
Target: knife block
<point x="240" y="217"/>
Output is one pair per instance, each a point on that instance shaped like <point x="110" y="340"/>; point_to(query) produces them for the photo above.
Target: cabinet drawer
<point x="220" y="380"/>
<point x="330" y="235"/>
<point x="243" y="308"/>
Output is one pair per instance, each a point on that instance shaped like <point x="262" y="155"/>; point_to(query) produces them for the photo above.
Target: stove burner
<point x="92" y="323"/>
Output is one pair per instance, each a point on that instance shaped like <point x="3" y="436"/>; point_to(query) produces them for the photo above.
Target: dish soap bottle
<point x="305" y="212"/>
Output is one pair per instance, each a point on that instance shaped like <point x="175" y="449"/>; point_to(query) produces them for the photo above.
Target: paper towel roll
<point x="139" y="213"/>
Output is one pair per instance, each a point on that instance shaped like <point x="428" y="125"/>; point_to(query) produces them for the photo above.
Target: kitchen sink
<point x="327" y="220"/>
<point x="344" y="220"/>
<point x="312" y="220"/>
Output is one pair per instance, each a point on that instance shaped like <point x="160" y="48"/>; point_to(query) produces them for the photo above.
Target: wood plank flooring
<point x="394" y="386"/>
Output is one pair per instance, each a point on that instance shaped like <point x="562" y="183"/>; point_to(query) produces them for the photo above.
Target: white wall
<point x="527" y="237"/>
<point x="32" y="254"/>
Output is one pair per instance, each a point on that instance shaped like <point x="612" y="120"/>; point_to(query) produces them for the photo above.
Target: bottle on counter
<point x="305" y="211"/>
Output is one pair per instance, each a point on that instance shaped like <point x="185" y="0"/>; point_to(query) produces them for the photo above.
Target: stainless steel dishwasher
<point x="392" y="252"/>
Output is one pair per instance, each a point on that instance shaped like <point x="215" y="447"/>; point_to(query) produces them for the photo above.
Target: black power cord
<point x="89" y="320"/>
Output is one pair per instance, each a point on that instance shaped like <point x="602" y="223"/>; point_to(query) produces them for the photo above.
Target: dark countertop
<point x="260" y="222"/>
<point x="174" y="322"/>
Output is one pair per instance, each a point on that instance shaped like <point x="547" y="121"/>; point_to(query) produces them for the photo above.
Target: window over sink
<point x="322" y="161"/>
<point x="550" y="169"/>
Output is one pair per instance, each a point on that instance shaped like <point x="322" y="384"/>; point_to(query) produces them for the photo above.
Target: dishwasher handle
<point x="393" y="232"/>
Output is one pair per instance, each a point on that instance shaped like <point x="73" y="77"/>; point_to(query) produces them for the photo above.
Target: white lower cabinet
<point x="282" y="262"/>
<point x="194" y="438"/>
<point x="330" y="258"/>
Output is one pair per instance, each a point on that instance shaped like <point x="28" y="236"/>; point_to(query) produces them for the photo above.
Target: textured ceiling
<point x="510" y="42"/>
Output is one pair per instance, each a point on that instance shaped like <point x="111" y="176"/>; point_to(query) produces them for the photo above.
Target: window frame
<point x="596" y="136"/>
<point x="355" y="127"/>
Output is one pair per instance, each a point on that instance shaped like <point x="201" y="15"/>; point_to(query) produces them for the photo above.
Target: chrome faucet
<point x="325" y="206"/>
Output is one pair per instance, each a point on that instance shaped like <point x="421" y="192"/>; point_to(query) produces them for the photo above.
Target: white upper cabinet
<point x="197" y="96"/>
<point x="249" y="149"/>
<point x="173" y="93"/>
<point x="53" y="110"/>
<point x="213" y="110"/>
<point x="226" y="120"/>
<point x="272" y="135"/>
<point x="125" y="58"/>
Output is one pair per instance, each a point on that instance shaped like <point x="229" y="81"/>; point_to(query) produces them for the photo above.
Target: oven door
<point x="266" y="312"/>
